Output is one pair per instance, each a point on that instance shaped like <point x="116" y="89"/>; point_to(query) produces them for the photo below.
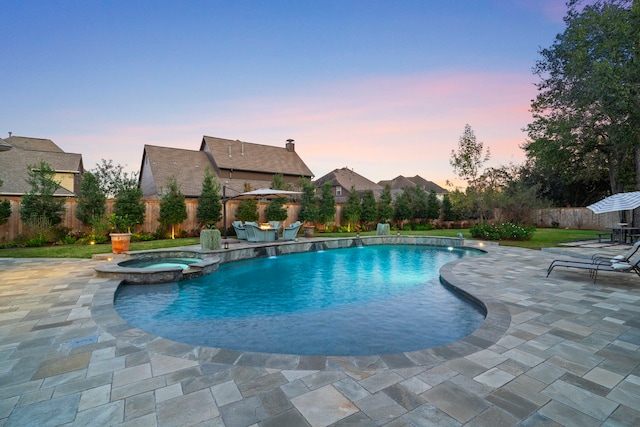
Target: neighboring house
<point x="342" y="180"/>
<point x="234" y="162"/>
<point x="161" y="163"/>
<point x="17" y="153"/>
<point x="400" y="182"/>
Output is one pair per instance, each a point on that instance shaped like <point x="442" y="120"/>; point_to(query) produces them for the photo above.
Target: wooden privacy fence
<point x="581" y="218"/>
<point x="14" y="227"/>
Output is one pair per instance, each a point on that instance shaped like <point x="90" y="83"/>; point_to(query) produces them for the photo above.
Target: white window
<point x="338" y="190"/>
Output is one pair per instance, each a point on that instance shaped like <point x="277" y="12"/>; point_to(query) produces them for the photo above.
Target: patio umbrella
<point x="266" y="193"/>
<point x="617" y="202"/>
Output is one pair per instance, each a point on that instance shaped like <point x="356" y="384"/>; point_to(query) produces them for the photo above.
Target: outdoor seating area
<point x="290" y="232"/>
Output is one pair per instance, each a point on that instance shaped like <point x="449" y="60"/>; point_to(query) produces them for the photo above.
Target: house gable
<point x="342" y="180"/>
<point x="15" y="162"/>
<point x="159" y="164"/>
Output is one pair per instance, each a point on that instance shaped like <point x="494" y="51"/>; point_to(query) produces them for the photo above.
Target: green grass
<point x="87" y="251"/>
<point x="542" y="238"/>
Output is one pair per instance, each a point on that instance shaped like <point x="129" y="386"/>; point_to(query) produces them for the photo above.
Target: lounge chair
<point x="630" y="266"/>
<point x="241" y="233"/>
<point x="290" y="232"/>
<point x="598" y="258"/>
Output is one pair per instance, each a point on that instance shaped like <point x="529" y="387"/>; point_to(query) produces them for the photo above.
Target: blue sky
<point x="383" y="87"/>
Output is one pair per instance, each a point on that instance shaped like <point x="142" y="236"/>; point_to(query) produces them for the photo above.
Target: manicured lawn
<point x="542" y="238"/>
<point x="87" y="251"/>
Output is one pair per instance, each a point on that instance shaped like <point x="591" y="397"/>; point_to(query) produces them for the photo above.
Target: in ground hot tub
<point x="160" y="267"/>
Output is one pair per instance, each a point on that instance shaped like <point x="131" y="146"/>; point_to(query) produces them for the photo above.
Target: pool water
<point x="356" y="301"/>
<point x="159" y="262"/>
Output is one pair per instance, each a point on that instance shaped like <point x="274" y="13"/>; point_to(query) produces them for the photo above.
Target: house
<point x="399" y="183"/>
<point x="17" y="153"/>
<point x="234" y="162"/>
<point x="342" y="180"/>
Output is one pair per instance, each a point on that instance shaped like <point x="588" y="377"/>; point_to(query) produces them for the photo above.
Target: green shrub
<point x="504" y="231"/>
<point x="36" y="242"/>
<point x="67" y="240"/>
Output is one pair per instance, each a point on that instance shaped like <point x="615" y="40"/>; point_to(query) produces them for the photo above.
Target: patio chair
<point x="290" y="232"/>
<point x="630" y="266"/>
<point x="598" y="258"/>
<point x="241" y="232"/>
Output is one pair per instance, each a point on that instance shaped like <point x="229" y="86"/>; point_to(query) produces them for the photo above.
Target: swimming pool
<point x="357" y="301"/>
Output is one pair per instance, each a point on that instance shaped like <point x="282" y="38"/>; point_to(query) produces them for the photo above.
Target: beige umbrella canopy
<point x="266" y="193"/>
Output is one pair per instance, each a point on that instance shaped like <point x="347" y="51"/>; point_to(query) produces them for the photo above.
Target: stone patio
<point x="553" y="351"/>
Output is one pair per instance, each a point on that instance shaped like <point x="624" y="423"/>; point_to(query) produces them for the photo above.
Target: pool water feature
<point x="358" y="301"/>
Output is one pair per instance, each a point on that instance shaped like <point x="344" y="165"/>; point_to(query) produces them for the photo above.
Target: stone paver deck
<point x="553" y="351"/>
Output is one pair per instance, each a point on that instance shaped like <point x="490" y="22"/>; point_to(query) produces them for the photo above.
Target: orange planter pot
<point x="120" y="242"/>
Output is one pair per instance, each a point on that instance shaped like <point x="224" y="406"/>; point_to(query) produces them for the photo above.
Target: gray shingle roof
<point x="187" y="166"/>
<point x="34" y="144"/>
<point x="14" y="166"/>
<point x="400" y="182"/>
<point x="246" y="156"/>
<point x="347" y="178"/>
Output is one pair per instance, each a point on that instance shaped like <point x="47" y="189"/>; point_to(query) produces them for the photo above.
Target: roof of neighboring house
<point x="15" y="162"/>
<point x="400" y="182"/>
<point x="427" y="185"/>
<point x="34" y="144"/>
<point x="187" y="166"/>
<point x="246" y="156"/>
<point x="347" y="178"/>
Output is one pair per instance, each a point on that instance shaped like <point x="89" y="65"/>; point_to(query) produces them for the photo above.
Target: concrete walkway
<point x="553" y="351"/>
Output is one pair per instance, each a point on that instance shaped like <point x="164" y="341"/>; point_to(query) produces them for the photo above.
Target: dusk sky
<point x="382" y="87"/>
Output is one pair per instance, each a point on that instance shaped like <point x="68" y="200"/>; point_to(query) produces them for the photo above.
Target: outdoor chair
<point x="241" y="232"/>
<point x="630" y="266"/>
<point x="290" y="232"/>
<point x="598" y="258"/>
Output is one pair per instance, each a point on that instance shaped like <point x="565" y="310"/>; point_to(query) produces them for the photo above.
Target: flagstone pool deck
<point x="557" y="351"/>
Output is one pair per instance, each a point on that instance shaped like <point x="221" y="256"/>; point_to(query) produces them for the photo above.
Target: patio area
<point x="553" y="351"/>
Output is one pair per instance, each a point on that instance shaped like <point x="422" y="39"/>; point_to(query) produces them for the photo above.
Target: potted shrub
<point x="120" y="233"/>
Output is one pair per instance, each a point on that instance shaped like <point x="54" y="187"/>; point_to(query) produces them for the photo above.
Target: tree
<point x="586" y="128"/>
<point x="384" y="207"/>
<point x="402" y="208"/>
<point x="173" y="210"/>
<point x="247" y="208"/>
<point x="368" y="212"/>
<point x="327" y="204"/>
<point x="352" y="209"/>
<point x="128" y="209"/>
<point x="5" y="209"/>
<point x="209" y="210"/>
<point x="39" y="202"/>
<point x="91" y="200"/>
<point x="447" y="209"/>
<point x="467" y="164"/>
<point x="433" y="206"/>
<point x="275" y="210"/>
<point x="308" y="202"/>
<point x="418" y="202"/>
<point x="468" y="161"/>
<point x="113" y="177"/>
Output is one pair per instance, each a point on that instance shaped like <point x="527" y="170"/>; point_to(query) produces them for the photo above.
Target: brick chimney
<point x="290" y="146"/>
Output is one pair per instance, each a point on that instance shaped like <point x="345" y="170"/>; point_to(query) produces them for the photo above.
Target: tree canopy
<point x="91" y="200"/>
<point x="585" y="136"/>
<point x="39" y="202"/>
<point x="209" y="210"/>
